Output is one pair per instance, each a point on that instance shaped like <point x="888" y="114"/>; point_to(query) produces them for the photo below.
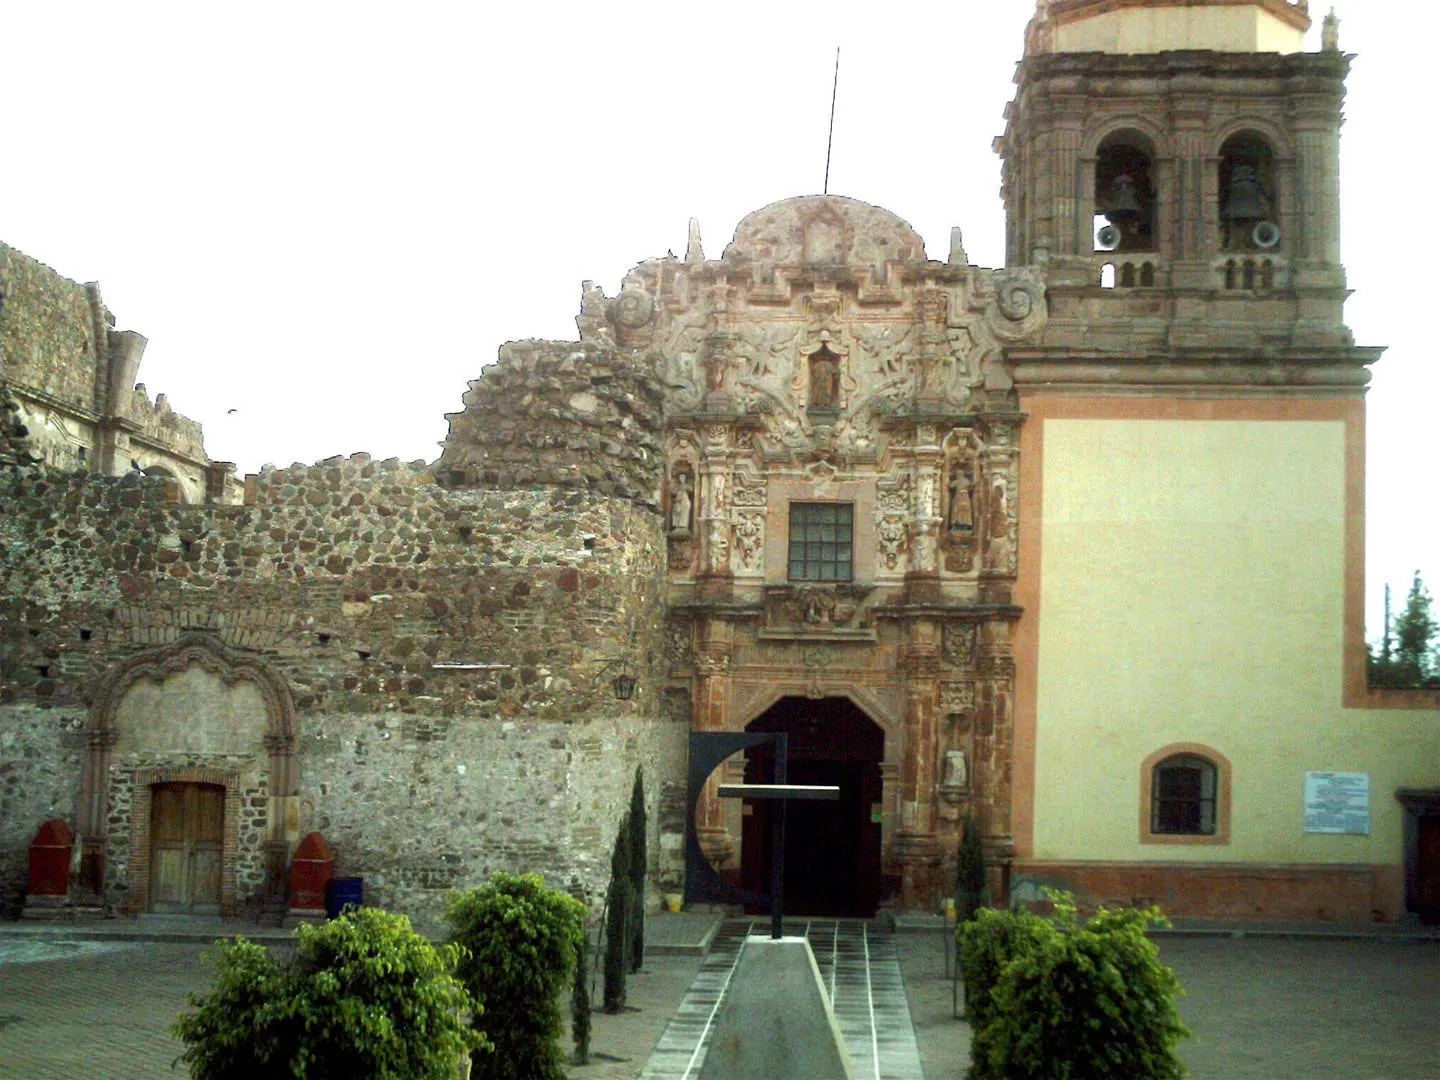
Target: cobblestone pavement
<point x="1261" y="1009"/>
<point x="1308" y="1009"/>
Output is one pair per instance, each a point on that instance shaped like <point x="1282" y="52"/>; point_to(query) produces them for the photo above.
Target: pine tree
<point x="617" y="921"/>
<point x="1410" y="654"/>
<point x="638" y="852"/>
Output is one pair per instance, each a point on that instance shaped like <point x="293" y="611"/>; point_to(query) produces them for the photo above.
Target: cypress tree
<point x="969" y="873"/>
<point x="617" y="920"/>
<point x="638" y="854"/>
<point x="580" y="1004"/>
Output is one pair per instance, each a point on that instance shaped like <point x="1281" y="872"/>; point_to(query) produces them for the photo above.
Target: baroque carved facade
<point x="824" y="360"/>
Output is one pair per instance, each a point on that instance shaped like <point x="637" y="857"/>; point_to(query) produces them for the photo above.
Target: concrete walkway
<point x="859" y="966"/>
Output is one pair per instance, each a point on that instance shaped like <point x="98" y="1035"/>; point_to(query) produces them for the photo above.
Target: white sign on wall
<point x="1337" y="802"/>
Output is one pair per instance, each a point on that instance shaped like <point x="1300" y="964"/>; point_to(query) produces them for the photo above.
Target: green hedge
<point x="520" y="940"/>
<point x="364" y="996"/>
<point x="1058" y="999"/>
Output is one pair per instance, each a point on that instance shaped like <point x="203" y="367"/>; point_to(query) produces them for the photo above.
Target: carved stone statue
<point x="960" y="490"/>
<point x="824" y="380"/>
<point x="681" y="502"/>
<point x="957" y="770"/>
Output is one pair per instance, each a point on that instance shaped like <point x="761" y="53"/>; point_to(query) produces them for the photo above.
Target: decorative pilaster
<point x="915" y="848"/>
<point x="711" y="713"/>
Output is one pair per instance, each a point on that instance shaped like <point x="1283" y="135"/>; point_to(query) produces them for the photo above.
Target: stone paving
<point x="857" y="964"/>
<point x="1261" y="1008"/>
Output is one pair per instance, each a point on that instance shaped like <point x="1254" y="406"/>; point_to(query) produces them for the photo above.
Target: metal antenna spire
<point x="830" y="139"/>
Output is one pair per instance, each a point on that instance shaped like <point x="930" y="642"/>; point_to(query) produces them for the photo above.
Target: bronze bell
<point x="1123" y="207"/>
<point x="1243" y="200"/>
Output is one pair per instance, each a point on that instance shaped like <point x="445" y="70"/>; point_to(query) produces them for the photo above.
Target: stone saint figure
<point x="824" y="380"/>
<point x="680" y="504"/>
<point x="962" y="512"/>
<point x="957" y="769"/>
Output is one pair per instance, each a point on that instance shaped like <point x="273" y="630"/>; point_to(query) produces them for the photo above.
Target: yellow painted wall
<point x="1150" y="30"/>
<point x="1191" y="590"/>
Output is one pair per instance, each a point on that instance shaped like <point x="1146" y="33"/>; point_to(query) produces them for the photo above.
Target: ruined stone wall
<point x="48" y="330"/>
<point x="357" y="582"/>
<point x="561" y="413"/>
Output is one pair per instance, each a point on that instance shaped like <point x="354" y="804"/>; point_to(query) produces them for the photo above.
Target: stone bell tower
<point x="1185" y="156"/>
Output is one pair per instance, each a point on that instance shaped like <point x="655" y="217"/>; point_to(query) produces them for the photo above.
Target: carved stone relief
<point x="816" y="608"/>
<point x="749" y="540"/>
<point x="958" y="640"/>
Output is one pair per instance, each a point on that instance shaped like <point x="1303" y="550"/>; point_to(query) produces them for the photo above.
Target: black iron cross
<point x="779" y="793"/>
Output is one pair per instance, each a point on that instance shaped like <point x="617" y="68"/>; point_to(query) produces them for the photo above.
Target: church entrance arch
<point x="832" y="849"/>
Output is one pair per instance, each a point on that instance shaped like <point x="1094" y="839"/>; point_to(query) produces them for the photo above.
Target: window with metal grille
<point x="1182" y="797"/>
<point x="820" y="541"/>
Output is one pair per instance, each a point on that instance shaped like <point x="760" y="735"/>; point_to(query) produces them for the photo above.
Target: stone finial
<point x="957" y="248"/>
<point x="694" y="252"/>
<point x="1330" y="33"/>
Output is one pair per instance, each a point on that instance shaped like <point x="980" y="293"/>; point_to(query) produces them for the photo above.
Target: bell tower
<point x="1174" y="165"/>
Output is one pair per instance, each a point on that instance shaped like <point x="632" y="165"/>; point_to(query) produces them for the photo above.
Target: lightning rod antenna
<point x="830" y="139"/>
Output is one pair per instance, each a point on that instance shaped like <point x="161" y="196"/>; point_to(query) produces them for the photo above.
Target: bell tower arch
<point x="1183" y="148"/>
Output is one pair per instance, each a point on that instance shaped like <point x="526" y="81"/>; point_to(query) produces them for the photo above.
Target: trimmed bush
<point x="364" y="996"/>
<point x="1073" y="1001"/>
<point x="988" y="941"/>
<point x="520" y="941"/>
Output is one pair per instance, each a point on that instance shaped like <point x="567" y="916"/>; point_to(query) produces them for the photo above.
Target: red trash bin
<point x="310" y="871"/>
<point x="50" y="853"/>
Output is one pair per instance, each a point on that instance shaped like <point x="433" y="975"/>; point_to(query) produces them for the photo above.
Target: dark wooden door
<point x="187" y="823"/>
<point x="1427" y="870"/>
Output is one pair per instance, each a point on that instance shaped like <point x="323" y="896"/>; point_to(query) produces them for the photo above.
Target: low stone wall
<point x="445" y="649"/>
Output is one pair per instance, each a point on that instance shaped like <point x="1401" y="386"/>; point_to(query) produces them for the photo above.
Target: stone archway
<point x="832" y="850"/>
<point x="192" y="712"/>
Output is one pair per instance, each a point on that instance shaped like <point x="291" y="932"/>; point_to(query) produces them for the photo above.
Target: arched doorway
<point x="832" y="849"/>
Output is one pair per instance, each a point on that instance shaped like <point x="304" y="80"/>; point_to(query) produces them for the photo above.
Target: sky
<point x="327" y="217"/>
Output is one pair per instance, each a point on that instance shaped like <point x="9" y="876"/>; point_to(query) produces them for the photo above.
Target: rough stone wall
<point x="566" y="414"/>
<point x="357" y="581"/>
<point x="40" y="753"/>
<point x="48" y="330"/>
<point x="162" y="424"/>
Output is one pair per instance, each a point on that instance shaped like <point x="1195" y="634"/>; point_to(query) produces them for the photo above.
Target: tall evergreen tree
<point x="1410" y="652"/>
<point x="617" y="921"/>
<point x="580" y="1004"/>
<point x="638" y="858"/>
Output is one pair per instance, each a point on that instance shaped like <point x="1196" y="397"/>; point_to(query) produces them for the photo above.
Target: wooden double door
<point x="187" y="829"/>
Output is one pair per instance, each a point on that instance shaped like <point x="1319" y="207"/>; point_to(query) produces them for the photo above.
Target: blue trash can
<point x="342" y="892"/>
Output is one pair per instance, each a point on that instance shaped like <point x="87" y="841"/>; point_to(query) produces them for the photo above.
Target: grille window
<point x="820" y="541"/>
<point x="1183" y="797"/>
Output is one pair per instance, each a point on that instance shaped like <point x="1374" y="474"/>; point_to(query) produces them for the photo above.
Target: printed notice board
<point x="1337" y="802"/>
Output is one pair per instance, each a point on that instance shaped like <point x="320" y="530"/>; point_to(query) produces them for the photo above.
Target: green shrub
<point x="988" y="941"/>
<point x="1077" y="1001"/>
<point x="519" y="941"/>
<point x="364" y="995"/>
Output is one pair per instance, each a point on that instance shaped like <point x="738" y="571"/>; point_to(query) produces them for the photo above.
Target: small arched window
<point x="1182" y="796"/>
<point x="1185" y="796"/>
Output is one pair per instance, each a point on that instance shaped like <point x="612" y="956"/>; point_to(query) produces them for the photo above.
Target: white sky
<point x="329" y="216"/>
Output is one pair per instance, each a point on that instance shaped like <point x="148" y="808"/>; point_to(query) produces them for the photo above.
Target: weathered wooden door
<point x="1427" y="871"/>
<point x="186" y="840"/>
